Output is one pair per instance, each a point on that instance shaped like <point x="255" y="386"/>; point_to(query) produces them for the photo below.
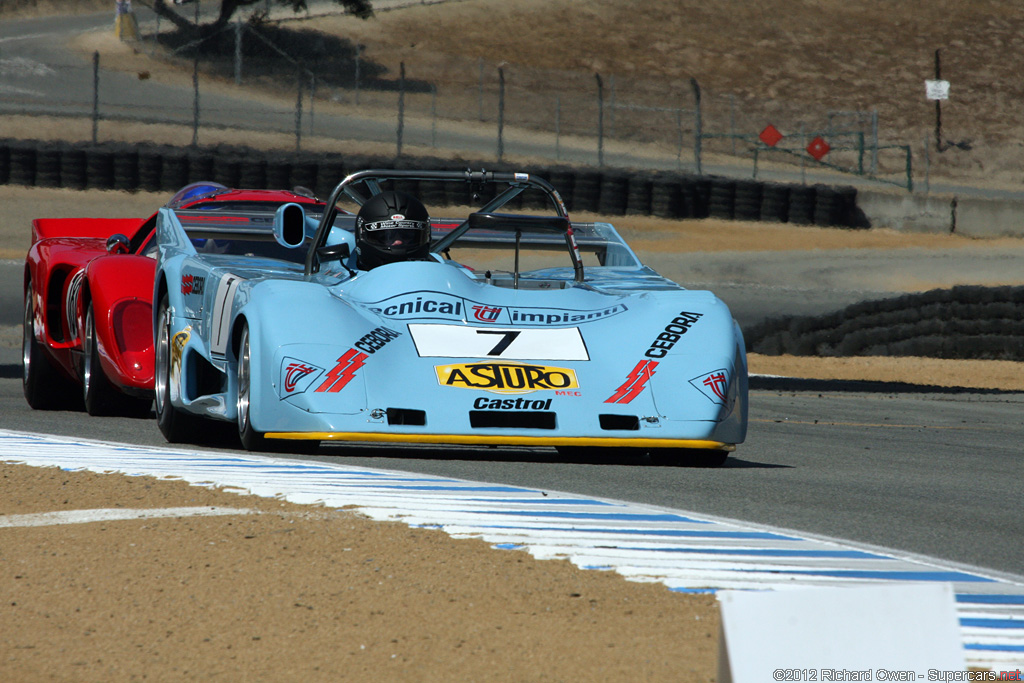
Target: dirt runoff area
<point x="282" y="592"/>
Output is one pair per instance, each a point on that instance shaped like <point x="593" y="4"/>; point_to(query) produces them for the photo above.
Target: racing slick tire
<point x="250" y="438"/>
<point x="176" y="425"/>
<point x="44" y="386"/>
<point x="688" y="457"/>
<point x="100" y="396"/>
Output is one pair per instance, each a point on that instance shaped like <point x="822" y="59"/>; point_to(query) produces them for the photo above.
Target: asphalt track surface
<point x="936" y="474"/>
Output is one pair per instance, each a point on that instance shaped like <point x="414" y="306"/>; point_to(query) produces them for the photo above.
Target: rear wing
<point x="100" y="228"/>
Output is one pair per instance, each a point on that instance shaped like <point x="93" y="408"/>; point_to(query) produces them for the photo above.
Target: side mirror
<point x="118" y="244"/>
<point x="334" y="252"/>
<point x="290" y="225"/>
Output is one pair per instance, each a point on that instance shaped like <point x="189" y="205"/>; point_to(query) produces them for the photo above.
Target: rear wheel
<point x="44" y="386"/>
<point x="100" y="396"/>
<point x="176" y="425"/>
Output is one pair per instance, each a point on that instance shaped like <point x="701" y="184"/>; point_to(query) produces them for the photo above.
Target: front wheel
<point x="176" y="425"/>
<point x="99" y="394"/>
<point x="251" y="439"/>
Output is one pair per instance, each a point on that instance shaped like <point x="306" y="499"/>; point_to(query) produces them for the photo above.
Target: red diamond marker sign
<point x="818" y="148"/>
<point x="770" y="135"/>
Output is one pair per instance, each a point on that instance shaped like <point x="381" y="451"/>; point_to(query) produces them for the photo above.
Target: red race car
<point x="88" y="332"/>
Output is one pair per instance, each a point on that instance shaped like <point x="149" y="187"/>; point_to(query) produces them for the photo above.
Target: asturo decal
<point x="506" y="378"/>
<point x="714" y="385"/>
<point x="635" y="382"/>
<point x="297" y="376"/>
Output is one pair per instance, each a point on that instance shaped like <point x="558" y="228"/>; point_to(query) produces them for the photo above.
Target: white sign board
<point x="937" y="90"/>
<point x="886" y="632"/>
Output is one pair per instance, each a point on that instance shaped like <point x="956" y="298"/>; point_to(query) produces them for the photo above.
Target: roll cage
<point x="361" y="186"/>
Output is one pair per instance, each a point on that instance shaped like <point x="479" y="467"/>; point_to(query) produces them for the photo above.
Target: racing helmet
<point x="391" y="226"/>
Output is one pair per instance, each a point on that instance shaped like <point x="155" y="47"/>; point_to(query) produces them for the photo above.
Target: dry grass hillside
<point x="782" y="61"/>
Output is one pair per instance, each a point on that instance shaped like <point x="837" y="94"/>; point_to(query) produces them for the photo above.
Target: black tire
<point x="801" y="205"/>
<point x="748" y="200"/>
<point x="200" y="165"/>
<point x="252" y="173"/>
<point x="638" y="200"/>
<point x="688" y="457"/>
<point x="722" y="202"/>
<point x="101" y="397"/>
<point x="126" y="169"/>
<point x="22" y="169"/>
<point x="72" y="168"/>
<point x="176" y="425"/>
<point x="99" y="169"/>
<point x="251" y="439"/>
<point x="48" y="165"/>
<point x="44" y="386"/>
<point x="665" y="191"/>
<point x="614" y="194"/>
<point x="173" y="172"/>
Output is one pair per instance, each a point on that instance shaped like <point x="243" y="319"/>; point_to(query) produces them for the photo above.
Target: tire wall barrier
<point x="162" y="168"/>
<point x="965" y="322"/>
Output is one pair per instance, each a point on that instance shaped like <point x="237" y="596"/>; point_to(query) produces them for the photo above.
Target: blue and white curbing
<point x="687" y="552"/>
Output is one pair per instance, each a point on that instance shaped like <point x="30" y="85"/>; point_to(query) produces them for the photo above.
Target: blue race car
<point x="378" y="323"/>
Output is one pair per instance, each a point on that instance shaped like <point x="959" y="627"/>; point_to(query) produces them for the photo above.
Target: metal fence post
<point x="358" y="59"/>
<point x="558" y="127"/>
<point x="312" y="101"/>
<point x="611" y="106"/>
<point x="698" y="124"/>
<point x="195" y="102"/>
<point x="874" y="141"/>
<point x="238" y="52"/>
<point x="910" y="170"/>
<point x="298" y="115"/>
<point x="433" y="115"/>
<point x="401" y="107"/>
<point x="480" y="89"/>
<point x="600" y="120"/>
<point x="501" y="113"/>
<point x="95" y="94"/>
<point x="679" y="142"/>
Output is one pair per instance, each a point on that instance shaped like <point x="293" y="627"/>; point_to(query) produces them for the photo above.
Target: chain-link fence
<point x="304" y="83"/>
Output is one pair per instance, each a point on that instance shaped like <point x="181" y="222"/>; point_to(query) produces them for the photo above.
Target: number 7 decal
<point x="508" y="336"/>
